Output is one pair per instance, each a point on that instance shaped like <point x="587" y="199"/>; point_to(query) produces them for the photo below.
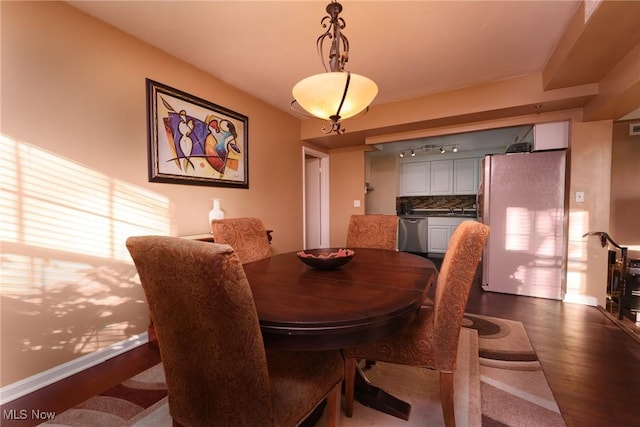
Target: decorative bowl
<point x="326" y="259"/>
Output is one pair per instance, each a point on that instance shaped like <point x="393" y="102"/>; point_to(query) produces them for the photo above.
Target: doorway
<point x="315" y="206"/>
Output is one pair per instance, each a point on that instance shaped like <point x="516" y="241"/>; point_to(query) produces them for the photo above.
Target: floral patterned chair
<point x="247" y="236"/>
<point x="373" y="231"/>
<point x="217" y="370"/>
<point x="432" y="340"/>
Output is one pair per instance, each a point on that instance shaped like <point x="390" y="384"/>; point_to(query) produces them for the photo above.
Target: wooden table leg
<point x="376" y="398"/>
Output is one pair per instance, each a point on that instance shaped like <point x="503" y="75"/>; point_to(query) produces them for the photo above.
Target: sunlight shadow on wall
<point x="68" y="283"/>
<point x="577" y="254"/>
<point x="534" y="249"/>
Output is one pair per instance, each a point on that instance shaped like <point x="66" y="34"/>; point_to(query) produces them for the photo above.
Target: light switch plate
<point x="579" y="196"/>
<point x="356" y="203"/>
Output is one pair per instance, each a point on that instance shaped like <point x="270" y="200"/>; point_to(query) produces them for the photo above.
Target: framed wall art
<point x="193" y="141"/>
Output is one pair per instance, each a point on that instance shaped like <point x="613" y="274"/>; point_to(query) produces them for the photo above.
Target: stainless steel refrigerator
<point x="522" y="198"/>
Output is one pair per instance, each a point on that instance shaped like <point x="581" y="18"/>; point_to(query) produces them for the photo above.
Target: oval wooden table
<point x="374" y="295"/>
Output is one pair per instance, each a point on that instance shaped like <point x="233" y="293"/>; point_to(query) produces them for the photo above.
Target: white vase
<point x="216" y="212"/>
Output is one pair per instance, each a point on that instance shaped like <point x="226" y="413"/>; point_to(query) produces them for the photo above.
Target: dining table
<point x="307" y="309"/>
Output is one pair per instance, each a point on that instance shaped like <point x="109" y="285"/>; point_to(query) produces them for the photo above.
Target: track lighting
<point x="429" y="148"/>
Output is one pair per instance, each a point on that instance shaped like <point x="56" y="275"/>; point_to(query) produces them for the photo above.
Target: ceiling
<point x="409" y="48"/>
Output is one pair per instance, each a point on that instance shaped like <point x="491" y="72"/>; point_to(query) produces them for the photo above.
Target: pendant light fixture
<point x="336" y="94"/>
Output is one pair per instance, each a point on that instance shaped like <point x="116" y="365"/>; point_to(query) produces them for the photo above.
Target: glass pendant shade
<point x="321" y="94"/>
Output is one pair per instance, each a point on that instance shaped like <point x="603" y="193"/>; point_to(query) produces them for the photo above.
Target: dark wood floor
<point x="592" y="365"/>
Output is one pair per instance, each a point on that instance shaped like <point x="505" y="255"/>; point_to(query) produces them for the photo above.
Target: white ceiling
<point x="409" y="48"/>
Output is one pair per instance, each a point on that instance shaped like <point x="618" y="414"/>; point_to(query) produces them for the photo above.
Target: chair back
<point x="456" y="276"/>
<point x="373" y="231"/>
<point x="208" y="331"/>
<point x="247" y="236"/>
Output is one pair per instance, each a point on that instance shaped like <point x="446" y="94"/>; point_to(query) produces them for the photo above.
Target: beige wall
<point x="346" y="185"/>
<point x="73" y="106"/>
<point x="384" y="181"/>
<point x="625" y="188"/>
<point x="590" y="163"/>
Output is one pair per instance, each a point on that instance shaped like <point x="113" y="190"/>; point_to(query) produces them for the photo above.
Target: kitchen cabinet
<point x="439" y="231"/>
<point x="548" y="136"/>
<point x="441" y="177"/>
<point x="465" y="176"/>
<point x="415" y="179"/>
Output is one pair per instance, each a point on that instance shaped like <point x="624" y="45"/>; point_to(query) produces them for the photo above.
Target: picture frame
<point x="194" y="141"/>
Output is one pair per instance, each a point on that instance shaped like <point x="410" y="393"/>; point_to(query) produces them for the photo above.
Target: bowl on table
<point x="326" y="259"/>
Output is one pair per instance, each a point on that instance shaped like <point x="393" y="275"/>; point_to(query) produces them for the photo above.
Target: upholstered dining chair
<point x="373" y="231"/>
<point x="247" y="236"/>
<point x="218" y="372"/>
<point x="431" y="341"/>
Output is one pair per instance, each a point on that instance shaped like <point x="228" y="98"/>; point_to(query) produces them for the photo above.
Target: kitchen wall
<point x="383" y="178"/>
<point x="74" y="181"/>
<point x="590" y="172"/>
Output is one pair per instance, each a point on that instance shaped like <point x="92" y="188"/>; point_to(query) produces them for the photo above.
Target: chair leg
<point x="446" y="398"/>
<point x="333" y="405"/>
<point x="349" y="385"/>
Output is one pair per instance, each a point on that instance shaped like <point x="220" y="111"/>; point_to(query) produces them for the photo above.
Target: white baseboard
<point x="50" y="376"/>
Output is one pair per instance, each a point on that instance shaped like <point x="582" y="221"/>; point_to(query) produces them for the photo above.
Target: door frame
<point x="324" y="196"/>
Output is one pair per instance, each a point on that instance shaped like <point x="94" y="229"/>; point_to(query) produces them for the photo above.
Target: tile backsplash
<point x="436" y="202"/>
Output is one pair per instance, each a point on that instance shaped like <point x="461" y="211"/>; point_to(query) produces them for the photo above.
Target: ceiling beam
<point x="619" y="91"/>
<point x="490" y="101"/>
<point x="592" y="45"/>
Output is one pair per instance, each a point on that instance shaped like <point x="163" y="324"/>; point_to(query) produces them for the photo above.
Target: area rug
<point x="141" y="400"/>
<point x="499" y="382"/>
<point x="513" y="386"/>
<point x="420" y="388"/>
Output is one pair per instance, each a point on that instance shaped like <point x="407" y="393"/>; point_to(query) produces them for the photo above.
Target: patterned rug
<point x="499" y="382"/>
<point x="136" y="401"/>
<point x="513" y="386"/>
<point x="421" y="389"/>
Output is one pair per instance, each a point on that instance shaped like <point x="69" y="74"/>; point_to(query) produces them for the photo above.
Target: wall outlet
<point x="579" y="196"/>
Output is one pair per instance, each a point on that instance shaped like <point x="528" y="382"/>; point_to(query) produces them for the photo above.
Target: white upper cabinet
<point x="415" y="179"/>
<point x="547" y="136"/>
<point x="441" y="177"/>
<point x="465" y="176"/>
